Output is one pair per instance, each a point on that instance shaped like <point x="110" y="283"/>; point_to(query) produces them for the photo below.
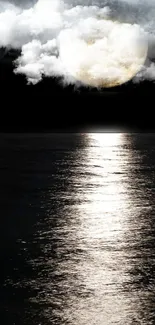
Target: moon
<point x="106" y="54"/>
<point x="126" y="72"/>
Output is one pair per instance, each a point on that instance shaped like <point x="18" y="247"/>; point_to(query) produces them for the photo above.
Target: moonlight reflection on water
<point x="89" y="257"/>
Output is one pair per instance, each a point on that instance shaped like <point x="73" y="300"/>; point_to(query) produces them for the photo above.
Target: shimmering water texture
<point x="79" y="243"/>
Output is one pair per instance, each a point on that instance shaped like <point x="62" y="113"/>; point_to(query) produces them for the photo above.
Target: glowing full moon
<point x="106" y="54"/>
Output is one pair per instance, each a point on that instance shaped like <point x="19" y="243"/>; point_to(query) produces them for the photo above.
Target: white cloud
<point x="78" y="42"/>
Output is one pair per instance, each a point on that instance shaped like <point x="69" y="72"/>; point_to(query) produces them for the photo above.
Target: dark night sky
<point x="48" y="106"/>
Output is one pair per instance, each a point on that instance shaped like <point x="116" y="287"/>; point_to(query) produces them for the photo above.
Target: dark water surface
<point x="77" y="229"/>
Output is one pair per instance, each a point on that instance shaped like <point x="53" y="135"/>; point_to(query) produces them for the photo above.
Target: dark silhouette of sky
<point x="49" y="106"/>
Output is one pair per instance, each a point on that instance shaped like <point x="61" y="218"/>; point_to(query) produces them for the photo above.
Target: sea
<point x="77" y="229"/>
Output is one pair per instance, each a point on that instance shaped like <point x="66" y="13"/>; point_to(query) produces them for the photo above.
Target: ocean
<point x="77" y="229"/>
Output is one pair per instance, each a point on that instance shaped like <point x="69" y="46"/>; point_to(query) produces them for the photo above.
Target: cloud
<point x="93" y="43"/>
